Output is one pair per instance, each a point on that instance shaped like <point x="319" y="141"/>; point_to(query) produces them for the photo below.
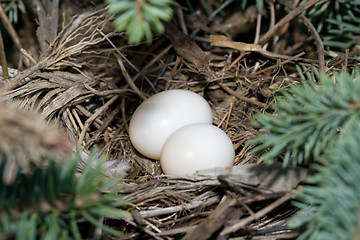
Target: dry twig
<point x="291" y="15"/>
<point x="319" y="44"/>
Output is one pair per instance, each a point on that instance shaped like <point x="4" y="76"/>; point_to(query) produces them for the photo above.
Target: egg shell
<point x="196" y="147"/>
<point x="161" y="114"/>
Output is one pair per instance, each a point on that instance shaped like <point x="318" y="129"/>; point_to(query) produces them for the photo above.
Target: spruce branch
<point x="12" y="9"/>
<point x="337" y="21"/>
<point x="140" y="18"/>
<point x="48" y="203"/>
<point x="307" y="119"/>
<point x="330" y="205"/>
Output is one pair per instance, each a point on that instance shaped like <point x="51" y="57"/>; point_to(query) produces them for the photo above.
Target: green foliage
<point x="330" y="206"/>
<point x="319" y="124"/>
<point x="338" y="22"/>
<point x="308" y="73"/>
<point x="48" y="203"/>
<point x="140" y="18"/>
<point x="308" y="119"/>
<point x="11" y="7"/>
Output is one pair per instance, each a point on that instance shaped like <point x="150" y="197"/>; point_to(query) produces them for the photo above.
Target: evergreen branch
<point x="308" y="119"/>
<point x="12" y="7"/>
<point x="320" y="123"/>
<point x="47" y="203"/>
<point x="337" y="21"/>
<point x="139" y="18"/>
<point x="73" y="225"/>
<point x="330" y="206"/>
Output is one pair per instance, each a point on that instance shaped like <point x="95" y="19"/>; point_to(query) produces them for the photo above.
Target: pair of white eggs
<point x="175" y="126"/>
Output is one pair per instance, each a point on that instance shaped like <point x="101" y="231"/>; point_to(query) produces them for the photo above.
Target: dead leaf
<point x="222" y="41"/>
<point x="186" y="47"/>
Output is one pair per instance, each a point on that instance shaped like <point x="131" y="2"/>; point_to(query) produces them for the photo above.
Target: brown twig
<point x="27" y="56"/>
<point x="290" y="16"/>
<point x="315" y="34"/>
<point x="241" y="97"/>
<point x="145" y="230"/>
<point x="103" y="126"/>
<point x="319" y="44"/>
<point x="128" y="79"/>
<point x="151" y="63"/>
<point x="281" y="63"/>
<point x="272" y="20"/>
<point x="258" y="27"/>
<point x="10" y="29"/>
<point x="243" y="222"/>
<point x="345" y="65"/>
<point x="139" y="73"/>
<point x="3" y="58"/>
<point x="188" y="206"/>
<point x="180" y="15"/>
<point x="93" y="117"/>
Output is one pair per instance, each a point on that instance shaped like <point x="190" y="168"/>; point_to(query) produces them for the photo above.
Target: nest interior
<point x="90" y="80"/>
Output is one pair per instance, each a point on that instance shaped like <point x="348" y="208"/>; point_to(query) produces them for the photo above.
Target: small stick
<point x="242" y="54"/>
<point x="229" y="114"/>
<point x="93" y="117"/>
<point x="243" y="222"/>
<point x="272" y="21"/>
<point x="10" y="29"/>
<point x="127" y="60"/>
<point x="281" y="63"/>
<point x="239" y="96"/>
<point x="123" y="114"/>
<point x="178" y="208"/>
<point x="144" y="229"/>
<point x="72" y="120"/>
<point x="3" y="59"/>
<point x="344" y="67"/>
<point x="128" y="79"/>
<point x="258" y="26"/>
<point x="319" y="44"/>
<point x="291" y="15"/>
<point x="315" y="34"/>
<point x="180" y="15"/>
<point x="28" y="56"/>
<point x="104" y="126"/>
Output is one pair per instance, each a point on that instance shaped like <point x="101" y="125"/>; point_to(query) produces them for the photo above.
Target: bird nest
<point x="90" y="81"/>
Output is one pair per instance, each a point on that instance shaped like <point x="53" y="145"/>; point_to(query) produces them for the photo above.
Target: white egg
<point x="196" y="147"/>
<point x="161" y="114"/>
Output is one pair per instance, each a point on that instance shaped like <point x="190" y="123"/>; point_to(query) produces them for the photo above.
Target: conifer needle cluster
<point x="140" y="18"/>
<point x="308" y="119"/>
<point x="49" y="203"/>
<point x="319" y="125"/>
<point x="337" y="21"/>
<point x="330" y="203"/>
